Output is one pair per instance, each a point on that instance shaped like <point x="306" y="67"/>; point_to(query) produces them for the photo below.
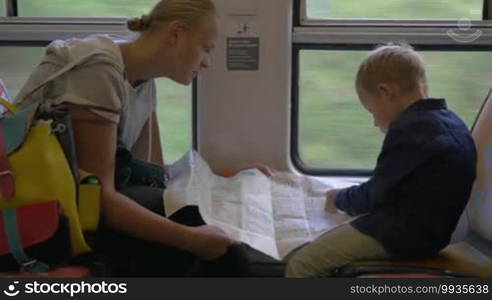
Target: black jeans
<point x="127" y="256"/>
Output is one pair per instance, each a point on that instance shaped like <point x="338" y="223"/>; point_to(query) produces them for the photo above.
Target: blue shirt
<point x="421" y="183"/>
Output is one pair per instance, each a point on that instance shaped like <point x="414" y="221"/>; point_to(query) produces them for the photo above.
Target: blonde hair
<point x="190" y="12"/>
<point x="398" y="63"/>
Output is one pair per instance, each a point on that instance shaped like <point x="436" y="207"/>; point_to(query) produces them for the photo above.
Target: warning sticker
<point x="243" y="53"/>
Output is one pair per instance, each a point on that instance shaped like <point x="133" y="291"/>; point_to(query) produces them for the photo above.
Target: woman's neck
<point x="138" y="59"/>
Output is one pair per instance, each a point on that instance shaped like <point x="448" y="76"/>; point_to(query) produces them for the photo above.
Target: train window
<point x="173" y="107"/>
<point x="335" y="132"/>
<point x="3" y="10"/>
<point x="86" y="8"/>
<point x="16" y="63"/>
<point x="394" y="9"/>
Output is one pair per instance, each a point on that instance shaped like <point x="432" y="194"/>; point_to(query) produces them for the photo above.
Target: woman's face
<point x="193" y="49"/>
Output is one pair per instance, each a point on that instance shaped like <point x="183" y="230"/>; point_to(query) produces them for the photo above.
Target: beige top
<point x="97" y="80"/>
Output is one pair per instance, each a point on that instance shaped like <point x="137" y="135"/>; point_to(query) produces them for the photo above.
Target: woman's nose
<point x="206" y="62"/>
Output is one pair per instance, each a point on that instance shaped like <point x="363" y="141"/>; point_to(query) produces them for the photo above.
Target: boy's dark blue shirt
<point x="421" y="183"/>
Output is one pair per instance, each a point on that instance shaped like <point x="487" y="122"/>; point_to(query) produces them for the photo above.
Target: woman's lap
<point x="129" y="256"/>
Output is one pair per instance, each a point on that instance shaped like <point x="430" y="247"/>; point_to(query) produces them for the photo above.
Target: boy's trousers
<point x="336" y="248"/>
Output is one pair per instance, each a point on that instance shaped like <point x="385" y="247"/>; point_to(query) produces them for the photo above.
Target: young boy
<point x="423" y="177"/>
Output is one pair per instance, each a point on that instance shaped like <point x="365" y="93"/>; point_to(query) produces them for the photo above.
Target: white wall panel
<point x="244" y="116"/>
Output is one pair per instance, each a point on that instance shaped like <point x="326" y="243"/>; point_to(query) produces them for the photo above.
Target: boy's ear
<point x="384" y="90"/>
<point x="387" y="90"/>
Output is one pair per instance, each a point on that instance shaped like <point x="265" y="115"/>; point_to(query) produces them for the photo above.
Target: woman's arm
<point x="95" y="141"/>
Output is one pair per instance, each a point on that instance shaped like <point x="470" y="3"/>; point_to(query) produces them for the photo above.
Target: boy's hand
<point x="331" y="195"/>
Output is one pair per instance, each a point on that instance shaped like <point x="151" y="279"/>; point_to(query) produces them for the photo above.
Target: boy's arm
<point x="355" y="200"/>
<point x="397" y="159"/>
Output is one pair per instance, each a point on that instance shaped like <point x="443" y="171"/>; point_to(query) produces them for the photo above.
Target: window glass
<point x="174" y="107"/>
<point x="336" y="132"/>
<point x="16" y="63"/>
<point x="85" y="8"/>
<point x="394" y="9"/>
<point x="3" y="10"/>
<point x="174" y="101"/>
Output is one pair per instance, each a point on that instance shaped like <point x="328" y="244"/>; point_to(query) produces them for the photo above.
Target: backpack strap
<point x="8" y="105"/>
<point x="13" y="237"/>
<point x="7" y="183"/>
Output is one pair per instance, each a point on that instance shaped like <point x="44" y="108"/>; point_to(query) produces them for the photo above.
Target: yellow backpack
<point x="46" y="203"/>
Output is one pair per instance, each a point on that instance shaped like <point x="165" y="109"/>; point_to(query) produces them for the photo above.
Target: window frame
<point x="304" y="20"/>
<point x="11" y="8"/>
<point x="364" y="35"/>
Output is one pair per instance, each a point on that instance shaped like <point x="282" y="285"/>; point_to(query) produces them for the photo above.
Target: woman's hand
<point x="331" y="195"/>
<point x="210" y="242"/>
<point x="266" y="170"/>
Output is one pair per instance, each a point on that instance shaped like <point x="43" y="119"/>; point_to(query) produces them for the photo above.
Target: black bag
<point x="130" y="170"/>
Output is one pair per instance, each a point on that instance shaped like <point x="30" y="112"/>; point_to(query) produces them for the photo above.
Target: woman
<point x="108" y="86"/>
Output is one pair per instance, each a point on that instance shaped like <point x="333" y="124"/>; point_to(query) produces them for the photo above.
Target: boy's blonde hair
<point x="190" y="12"/>
<point x="397" y="63"/>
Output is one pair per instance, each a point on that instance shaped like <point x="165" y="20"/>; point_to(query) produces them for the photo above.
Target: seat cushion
<point x="460" y="258"/>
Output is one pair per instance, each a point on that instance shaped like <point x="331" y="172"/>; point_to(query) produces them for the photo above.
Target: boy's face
<point x="381" y="105"/>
